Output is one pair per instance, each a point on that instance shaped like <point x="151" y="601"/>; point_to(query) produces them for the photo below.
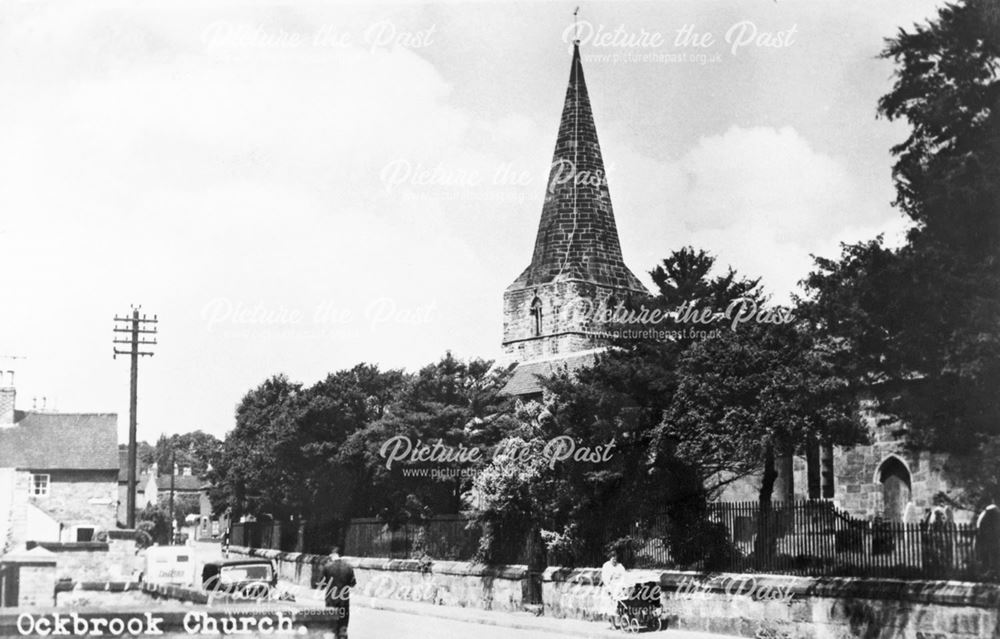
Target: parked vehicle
<point x="170" y="565"/>
<point x="244" y="578"/>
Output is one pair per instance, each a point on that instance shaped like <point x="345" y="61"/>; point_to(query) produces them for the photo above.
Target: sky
<point x="299" y="187"/>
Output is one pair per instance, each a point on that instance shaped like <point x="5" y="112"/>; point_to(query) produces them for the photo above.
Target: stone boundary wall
<point x="113" y="594"/>
<point x="794" y="607"/>
<point x="113" y="560"/>
<point x="735" y="604"/>
<point x="449" y="583"/>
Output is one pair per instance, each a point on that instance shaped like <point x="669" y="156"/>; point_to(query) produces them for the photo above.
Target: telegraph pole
<point x="134" y="326"/>
<point x="173" y="472"/>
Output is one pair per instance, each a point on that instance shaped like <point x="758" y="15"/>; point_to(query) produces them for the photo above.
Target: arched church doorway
<point x="895" y="480"/>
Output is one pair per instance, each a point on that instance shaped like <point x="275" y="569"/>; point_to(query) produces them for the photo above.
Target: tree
<point x="196" y="450"/>
<point x="450" y="402"/>
<point x="920" y="325"/>
<point x="685" y="277"/>
<point x="153" y="525"/>
<point x="515" y="491"/>
<point x="336" y="408"/>
<point x="260" y="471"/>
<point x="315" y="454"/>
<point x="753" y="393"/>
<point x="145" y="454"/>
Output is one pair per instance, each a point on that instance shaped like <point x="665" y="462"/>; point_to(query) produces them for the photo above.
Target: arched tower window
<point x="895" y="480"/>
<point x="536" y="317"/>
<point x="609" y="308"/>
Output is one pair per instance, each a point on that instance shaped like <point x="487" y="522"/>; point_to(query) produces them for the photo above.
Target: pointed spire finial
<point x="576" y="26"/>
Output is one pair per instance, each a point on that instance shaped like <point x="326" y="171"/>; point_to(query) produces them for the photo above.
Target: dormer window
<point x="536" y="316"/>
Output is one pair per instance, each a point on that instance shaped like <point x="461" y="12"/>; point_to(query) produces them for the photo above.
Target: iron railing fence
<point x="808" y="538"/>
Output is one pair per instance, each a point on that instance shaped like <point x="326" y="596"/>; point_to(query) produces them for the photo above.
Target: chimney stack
<point x="7" y="395"/>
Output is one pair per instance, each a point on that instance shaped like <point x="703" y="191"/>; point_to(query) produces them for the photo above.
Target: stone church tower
<point x="577" y="264"/>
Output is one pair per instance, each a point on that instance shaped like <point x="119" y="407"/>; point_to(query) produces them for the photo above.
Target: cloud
<point x="761" y="199"/>
<point x="143" y="166"/>
<point x="766" y="177"/>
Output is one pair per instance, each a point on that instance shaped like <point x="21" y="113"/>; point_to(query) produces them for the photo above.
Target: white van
<point x="170" y="565"/>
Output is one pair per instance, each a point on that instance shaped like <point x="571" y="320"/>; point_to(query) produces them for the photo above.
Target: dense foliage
<point x="316" y="454"/>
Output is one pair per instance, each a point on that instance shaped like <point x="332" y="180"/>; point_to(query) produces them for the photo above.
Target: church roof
<point x="577" y="236"/>
<point x="526" y="378"/>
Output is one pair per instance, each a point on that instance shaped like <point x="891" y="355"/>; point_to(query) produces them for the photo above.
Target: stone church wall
<point x="569" y="308"/>
<point x="857" y="483"/>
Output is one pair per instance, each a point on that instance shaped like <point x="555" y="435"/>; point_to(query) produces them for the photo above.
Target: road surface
<point x="367" y="623"/>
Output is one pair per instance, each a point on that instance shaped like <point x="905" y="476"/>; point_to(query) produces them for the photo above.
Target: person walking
<point x="338" y="579"/>
<point x="612" y="578"/>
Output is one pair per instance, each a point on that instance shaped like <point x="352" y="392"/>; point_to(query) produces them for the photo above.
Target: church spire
<point x="577" y="237"/>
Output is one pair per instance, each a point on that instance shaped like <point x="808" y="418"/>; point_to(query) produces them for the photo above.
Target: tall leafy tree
<point x="286" y="456"/>
<point x="753" y="393"/>
<point x="260" y="471"/>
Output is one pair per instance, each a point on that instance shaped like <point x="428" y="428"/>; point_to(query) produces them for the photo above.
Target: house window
<point x="536" y="314"/>
<point x="40" y="485"/>
<point x="85" y="534"/>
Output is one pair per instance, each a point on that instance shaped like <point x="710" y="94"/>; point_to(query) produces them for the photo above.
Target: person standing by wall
<point x="338" y="579"/>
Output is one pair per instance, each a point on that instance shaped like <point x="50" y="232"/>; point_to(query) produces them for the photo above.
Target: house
<point x="185" y="485"/>
<point x="210" y="525"/>
<point x="141" y="481"/>
<point x="58" y="473"/>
